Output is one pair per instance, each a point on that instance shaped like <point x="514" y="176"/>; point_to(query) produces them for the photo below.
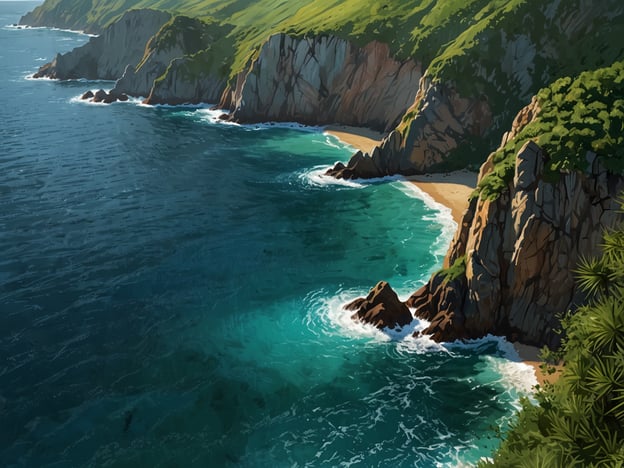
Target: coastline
<point x="362" y="139"/>
<point x="453" y="190"/>
<point x="530" y="355"/>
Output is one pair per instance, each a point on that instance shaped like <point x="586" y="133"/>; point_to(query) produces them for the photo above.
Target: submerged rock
<point x="381" y="308"/>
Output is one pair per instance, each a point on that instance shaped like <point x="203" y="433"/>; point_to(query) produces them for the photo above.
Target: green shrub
<point x="576" y="116"/>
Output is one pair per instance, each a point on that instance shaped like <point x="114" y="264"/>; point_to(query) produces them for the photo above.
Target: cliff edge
<point x="510" y="267"/>
<point x="106" y="57"/>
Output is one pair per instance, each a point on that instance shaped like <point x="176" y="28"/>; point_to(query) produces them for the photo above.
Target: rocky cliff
<point x="510" y="265"/>
<point x="188" y="80"/>
<point x="324" y="79"/>
<point x="168" y="67"/>
<point x="106" y="57"/>
<point x="480" y="79"/>
<point x="439" y="121"/>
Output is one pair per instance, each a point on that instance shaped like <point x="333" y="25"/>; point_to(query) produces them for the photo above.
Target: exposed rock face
<point x="381" y="308"/>
<point x="520" y="251"/>
<point x="185" y="83"/>
<point x="106" y="57"/>
<point x="470" y="93"/>
<point x="177" y="39"/>
<point x="323" y="80"/>
<point x="443" y="119"/>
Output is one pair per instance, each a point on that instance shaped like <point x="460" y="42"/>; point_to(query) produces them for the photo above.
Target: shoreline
<point x="453" y="190"/>
<point x="362" y="139"/>
<point x="530" y="355"/>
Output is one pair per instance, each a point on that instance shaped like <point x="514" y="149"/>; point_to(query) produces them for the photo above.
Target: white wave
<point x="316" y="177"/>
<point x="335" y="142"/>
<point x="22" y="27"/>
<point x="443" y="216"/>
<point x="201" y="105"/>
<point x="333" y="319"/>
<point x="516" y="375"/>
<point x="31" y="77"/>
<point x="212" y="115"/>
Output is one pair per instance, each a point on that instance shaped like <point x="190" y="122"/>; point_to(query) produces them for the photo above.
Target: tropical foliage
<point x="579" y="420"/>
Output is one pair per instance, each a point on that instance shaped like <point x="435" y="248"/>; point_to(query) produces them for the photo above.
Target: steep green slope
<point x="422" y="29"/>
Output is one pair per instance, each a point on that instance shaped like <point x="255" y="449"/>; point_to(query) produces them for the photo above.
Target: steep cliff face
<point x="176" y="40"/>
<point x="324" y="79"/>
<point x="107" y="56"/>
<point x="188" y="80"/>
<point x="431" y="129"/>
<point x="515" y="255"/>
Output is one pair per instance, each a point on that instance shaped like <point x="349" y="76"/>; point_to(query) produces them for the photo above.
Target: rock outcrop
<point x="381" y="308"/>
<point x="167" y="67"/>
<point x="188" y="80"/>
<point x="519" y="250"/>
<point x="471" y="91"/>
<point x="434" y="127"/>
<point x="106" y="57"/>
<point x="324" y="79"/>
<point x="103" y="96"/>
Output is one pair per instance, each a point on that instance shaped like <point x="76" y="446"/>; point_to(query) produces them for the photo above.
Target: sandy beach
<point x="360" y="138"/>
<point x="452" y="189"/>
<point x="530" y="355"/>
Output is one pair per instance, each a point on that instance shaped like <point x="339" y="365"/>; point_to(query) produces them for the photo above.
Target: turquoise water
<point x="171" y="291"/>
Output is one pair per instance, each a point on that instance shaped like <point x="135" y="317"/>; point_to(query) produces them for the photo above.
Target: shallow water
<point x="171" y="291"/>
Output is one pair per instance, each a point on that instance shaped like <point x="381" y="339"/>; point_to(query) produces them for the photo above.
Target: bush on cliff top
<point x="576" y="116"/>
<point x="579" y="420"/>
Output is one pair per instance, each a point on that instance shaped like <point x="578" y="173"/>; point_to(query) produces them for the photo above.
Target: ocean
<point x="171" y="290"/>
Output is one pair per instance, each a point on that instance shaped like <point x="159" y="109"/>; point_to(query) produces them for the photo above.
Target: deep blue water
<point x="170" y="292"/>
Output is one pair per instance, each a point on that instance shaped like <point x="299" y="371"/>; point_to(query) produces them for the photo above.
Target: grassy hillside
<point x="423" y="29"/>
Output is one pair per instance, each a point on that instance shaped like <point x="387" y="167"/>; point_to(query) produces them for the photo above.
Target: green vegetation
<point x="455" y="271"/>
<point x="576" y="116"/>
<point x="579" y="420"/>
<point x="501" y="51"/>
<point x="205" y="44"/>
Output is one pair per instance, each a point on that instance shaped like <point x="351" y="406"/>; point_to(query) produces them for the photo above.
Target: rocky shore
<point x="512" y="258"/>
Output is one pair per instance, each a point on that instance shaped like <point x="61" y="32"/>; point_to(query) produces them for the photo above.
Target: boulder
<point x="88" y="95"/>
<point x="381" y="308"/>
<point x="100" y="96"/>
